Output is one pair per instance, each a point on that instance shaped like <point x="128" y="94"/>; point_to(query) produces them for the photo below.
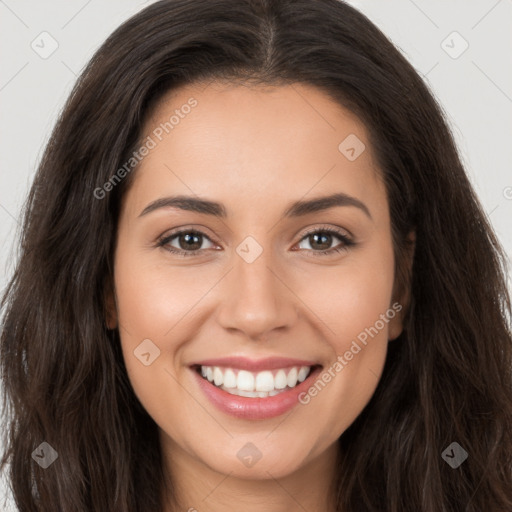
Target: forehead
<point x="257" y="145"/>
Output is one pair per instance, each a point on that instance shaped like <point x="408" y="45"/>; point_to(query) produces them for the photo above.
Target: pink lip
<point x="254" y="408"/>
<point x="252" y="365"/>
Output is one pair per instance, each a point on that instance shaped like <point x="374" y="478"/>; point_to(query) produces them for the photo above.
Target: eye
<point x="323" y="238"/>
<point x="189" y="242"/>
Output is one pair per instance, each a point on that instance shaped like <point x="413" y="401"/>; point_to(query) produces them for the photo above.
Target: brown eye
<point x="189" y="241"/>
<point x="184" y="243"/>
<point x="321" y="241"/>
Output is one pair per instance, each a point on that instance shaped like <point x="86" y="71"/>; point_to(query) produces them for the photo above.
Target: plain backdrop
<point x="462" y="49"/>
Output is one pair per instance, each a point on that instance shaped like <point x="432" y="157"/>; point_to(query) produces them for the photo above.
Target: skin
<point x="256" y="150"/>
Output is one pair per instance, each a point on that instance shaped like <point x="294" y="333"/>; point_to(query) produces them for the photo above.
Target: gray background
<point x="474" y="87"/>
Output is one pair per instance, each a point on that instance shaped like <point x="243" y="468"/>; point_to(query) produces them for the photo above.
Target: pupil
<point x="189" y="240"/>
<point x="322" y="236"/>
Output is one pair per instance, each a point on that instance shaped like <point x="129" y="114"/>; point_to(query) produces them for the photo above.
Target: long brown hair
<point x="447" y="378"/>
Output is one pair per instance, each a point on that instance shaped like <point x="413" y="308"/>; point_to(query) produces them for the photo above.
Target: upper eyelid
<point x="334" y="230"/>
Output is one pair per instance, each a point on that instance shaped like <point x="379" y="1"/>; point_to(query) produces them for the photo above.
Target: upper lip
<point x="255" y="365"/>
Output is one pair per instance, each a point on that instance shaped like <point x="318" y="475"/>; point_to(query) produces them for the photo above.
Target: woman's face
<point x="263" y="297"/>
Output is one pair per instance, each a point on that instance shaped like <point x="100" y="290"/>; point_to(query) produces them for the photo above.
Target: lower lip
<point x="254" y="408"/>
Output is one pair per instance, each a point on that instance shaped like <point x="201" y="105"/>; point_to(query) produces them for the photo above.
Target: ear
<point x="402" y="288"/>
<point x="110" y="304"/>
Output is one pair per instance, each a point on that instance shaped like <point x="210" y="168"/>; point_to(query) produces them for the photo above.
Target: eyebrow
<point x="296" y="209"/>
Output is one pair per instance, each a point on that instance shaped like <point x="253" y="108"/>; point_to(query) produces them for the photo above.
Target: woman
<point x="145" y="370"/>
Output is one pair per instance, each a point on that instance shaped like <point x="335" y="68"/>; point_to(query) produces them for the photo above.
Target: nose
<point x="256" y="299"/>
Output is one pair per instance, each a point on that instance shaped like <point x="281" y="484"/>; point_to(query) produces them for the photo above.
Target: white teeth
<point x="264" y="381"/>
<point x="218" y="378"/>
<point x="280" y="381"/>
<point x="250" y="394"/>
<point x="229" y="378"/>
<point x="261" y="384"/>
<point x="303" y="373"/>
<point x="245" y="381"/>
<point x="292" y="378"/>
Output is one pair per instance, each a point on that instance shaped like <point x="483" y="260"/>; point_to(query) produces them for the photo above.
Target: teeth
<point x="229" y="378"/>
<point x="218" y="378"/>
<point x="303" y="373"/>
<point x="292" y="378"/>
<point x="264" y="381"/>
<point x="250" y="394"/>
<point x="245" y="381"/>
<point x="280" y="381"/>
<point x="256" y="385"/>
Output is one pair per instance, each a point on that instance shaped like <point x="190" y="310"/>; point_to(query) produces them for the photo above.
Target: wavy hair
<point x="447" y="378"/>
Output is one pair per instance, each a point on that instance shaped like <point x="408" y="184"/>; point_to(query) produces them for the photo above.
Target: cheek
<point x="153" y="298"/>
<point x="355" y="305"/>
<point x="149" y="306"/>
<point x="165" y="304"/>
<point x="349" y="298"/>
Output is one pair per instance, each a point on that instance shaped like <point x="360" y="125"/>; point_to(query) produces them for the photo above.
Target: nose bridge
<point x="255" y="276"/>
<point x="256" y="300"/>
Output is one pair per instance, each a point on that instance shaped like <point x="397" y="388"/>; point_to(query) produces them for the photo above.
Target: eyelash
<point x="346" y="241"/>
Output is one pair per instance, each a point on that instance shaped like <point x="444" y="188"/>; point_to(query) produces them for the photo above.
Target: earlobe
<point x="396" y="324"/>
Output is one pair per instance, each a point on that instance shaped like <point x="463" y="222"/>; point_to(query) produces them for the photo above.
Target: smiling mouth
<point x="260" y="384"/>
